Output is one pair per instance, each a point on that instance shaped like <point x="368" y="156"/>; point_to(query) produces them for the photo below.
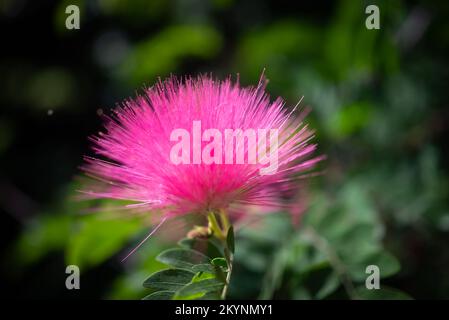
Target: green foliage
<point x="41" y="237"/>
<point x="219" y="262"/>
<point x="182" y="258"/>
<point x="169" y="279"/>
<point x="384" y="293"/>
<point x="204" y="289"/>
<point x="159" y="55"/>
<point x="330" y="252"/>
<point x="193" y="275"/>
<point x="93" y="242"/>
<point x="159" y="295"/>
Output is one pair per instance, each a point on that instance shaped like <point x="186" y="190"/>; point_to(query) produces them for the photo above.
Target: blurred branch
<point x="320" y="243"/>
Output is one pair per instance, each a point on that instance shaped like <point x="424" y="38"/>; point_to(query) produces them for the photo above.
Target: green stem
<point x="228" y="278"/>
<point x="224" y="220"/>
<point x="215" y="227"/>
<point x="322" y="244"/>
<point x="220" y="231"/>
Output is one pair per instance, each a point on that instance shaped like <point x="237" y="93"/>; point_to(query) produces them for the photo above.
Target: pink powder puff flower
<point x="134" y="153"/>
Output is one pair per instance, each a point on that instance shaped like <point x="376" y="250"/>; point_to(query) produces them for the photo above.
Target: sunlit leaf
<point x="99" y="239"/>
<point x="199" y="289"/>
<point x="182" y="258"/>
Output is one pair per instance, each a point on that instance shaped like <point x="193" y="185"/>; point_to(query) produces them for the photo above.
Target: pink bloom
<point x="135" y="150"/>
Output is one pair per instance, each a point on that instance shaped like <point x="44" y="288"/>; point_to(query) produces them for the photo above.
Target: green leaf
<point x="211" y="247"/>
<point x="384" y="293"/>
<point x="203" y="267"/>
<point x="200" y="276"/>
<point x="182" y="258"/>
<point x="357" y="243"/>
<point x="331" y="284"/>
<point x="301" y="293"/>
<point x="219" y="262"/>
<point x="199" y="289"/>
<point x="98" y="239"/>
<point x="219" y="274"/>
<point x="160" y="295"/>
<point x="169" y="279"/>
<point x="43" y="234"/>
<point x="210" y="269"/>
<point x="230" y="239"/>
<point x="387" y="263"/>
<point x="169" y="47"/>
<point x="187" y="243"/>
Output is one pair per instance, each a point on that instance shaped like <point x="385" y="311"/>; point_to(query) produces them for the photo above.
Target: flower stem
<point x="229" y="260"/>
<point x="215" y="227"/>
<point x="224" y="221"/>
<point x="220" y="231"/>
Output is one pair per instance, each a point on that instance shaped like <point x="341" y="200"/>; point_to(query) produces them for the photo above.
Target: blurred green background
<point x="379" y="107"/>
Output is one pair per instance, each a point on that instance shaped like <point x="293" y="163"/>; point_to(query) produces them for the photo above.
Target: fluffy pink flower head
<point x="137" y="149"/>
